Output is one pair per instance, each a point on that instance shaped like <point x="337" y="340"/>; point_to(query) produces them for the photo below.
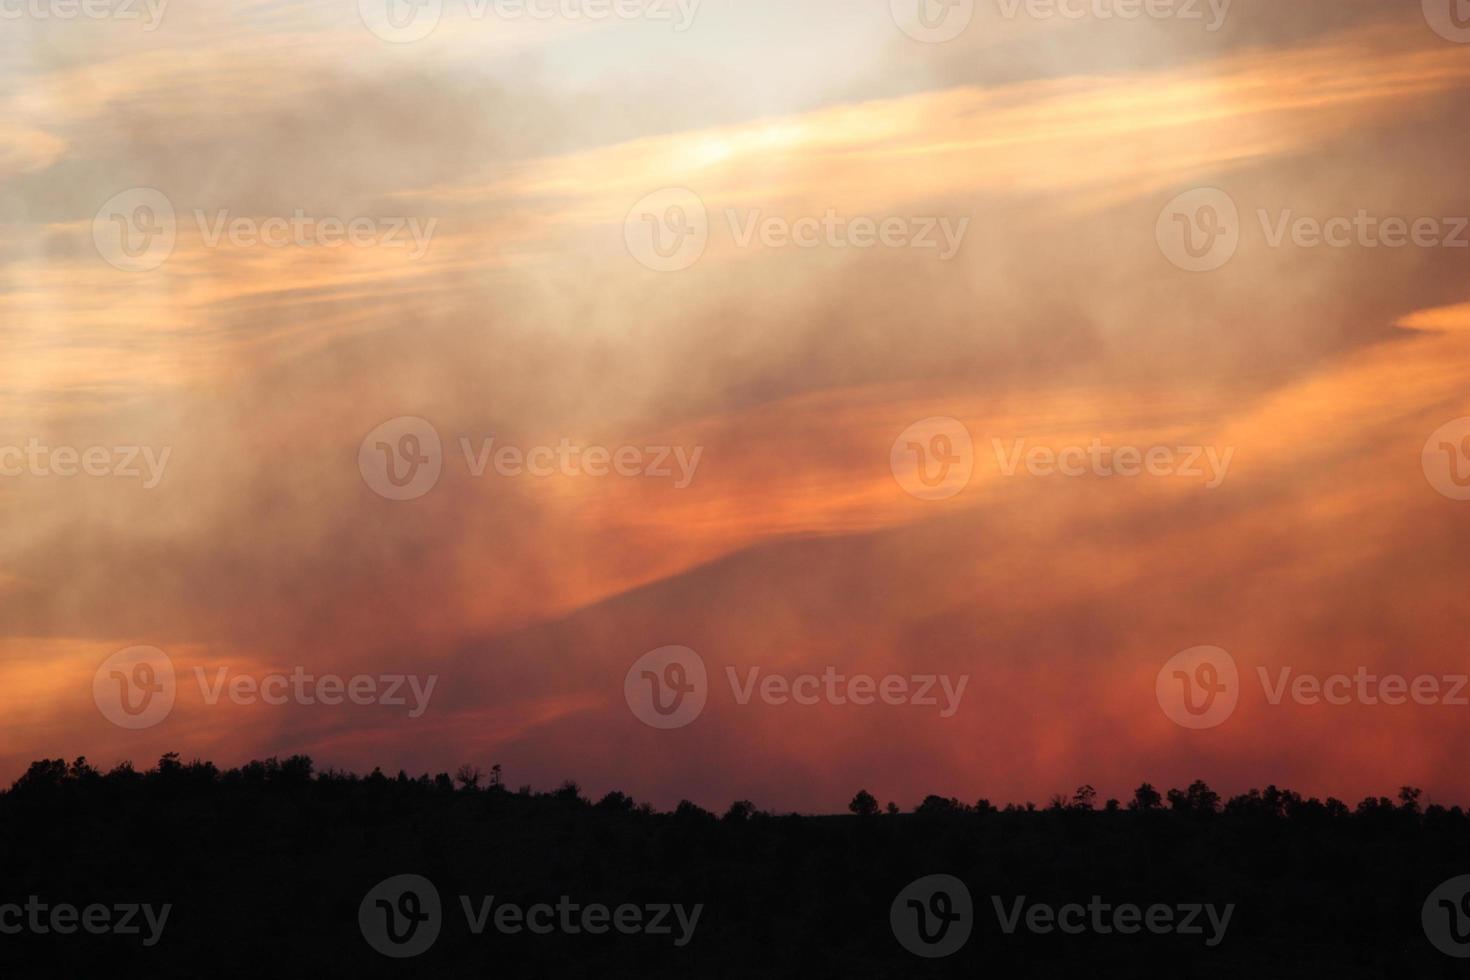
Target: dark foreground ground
<point x="272" y="870"/>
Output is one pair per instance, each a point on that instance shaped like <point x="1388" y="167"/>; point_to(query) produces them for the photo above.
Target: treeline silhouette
<point x="265" y="867"/>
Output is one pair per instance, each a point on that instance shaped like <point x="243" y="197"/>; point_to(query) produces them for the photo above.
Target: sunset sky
<point x="525" y="153"/>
